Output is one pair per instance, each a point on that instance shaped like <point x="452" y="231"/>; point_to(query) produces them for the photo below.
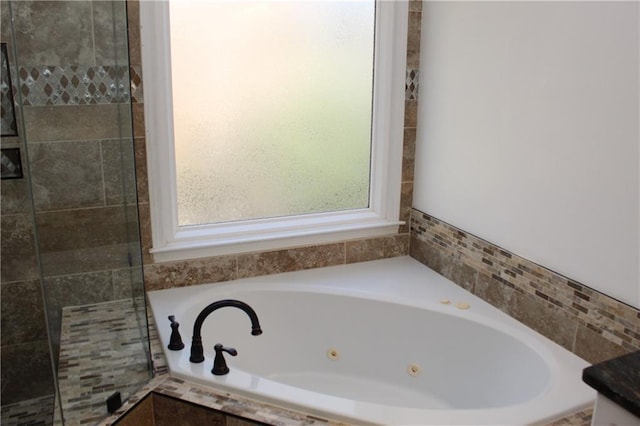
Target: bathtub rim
<point x="556" y="357"/>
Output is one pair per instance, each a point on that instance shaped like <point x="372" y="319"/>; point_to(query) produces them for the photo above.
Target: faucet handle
<point x="219" y="364"/>
<point x="175" y="341"/>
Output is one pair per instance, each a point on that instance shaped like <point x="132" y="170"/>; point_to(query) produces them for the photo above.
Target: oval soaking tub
<point x="382" y="342"/>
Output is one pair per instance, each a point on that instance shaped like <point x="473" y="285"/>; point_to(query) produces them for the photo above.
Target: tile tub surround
<point x="593" y="325"/>
<point x="160" y="410"/>
<point x="254" y="410"/>
<point x="164" y="384"/>
<point x="224" y="403"/>
<point x="225" y="268"/>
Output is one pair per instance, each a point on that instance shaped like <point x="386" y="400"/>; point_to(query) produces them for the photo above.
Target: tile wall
<point x="212" y="269"/>
<point x="73" y="91"/>
<point x="589" y="323"/>
<point x="24" y="348"/>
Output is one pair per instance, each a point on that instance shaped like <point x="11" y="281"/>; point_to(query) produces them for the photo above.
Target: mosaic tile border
<point x="411" y="85"/>
<point x="79" y="85"/>
<point x="615" y="321"/>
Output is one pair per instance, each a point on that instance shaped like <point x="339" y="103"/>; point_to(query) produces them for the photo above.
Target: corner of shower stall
<point x="73" y="314"/>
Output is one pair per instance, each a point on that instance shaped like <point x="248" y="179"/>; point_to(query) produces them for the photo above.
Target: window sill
<point x="201" y="245"/>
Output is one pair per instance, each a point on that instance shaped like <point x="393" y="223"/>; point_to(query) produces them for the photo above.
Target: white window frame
<point x="171" y="242"/>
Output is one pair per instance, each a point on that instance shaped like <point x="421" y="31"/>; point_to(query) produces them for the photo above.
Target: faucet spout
<point x="197" y="350"/>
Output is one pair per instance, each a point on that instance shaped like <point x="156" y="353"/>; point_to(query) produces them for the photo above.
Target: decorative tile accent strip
<point x="613" y="320"/>
<point x="411" y="86"/>
<point x="79" y="85"/>
<point x="137" y="94"/>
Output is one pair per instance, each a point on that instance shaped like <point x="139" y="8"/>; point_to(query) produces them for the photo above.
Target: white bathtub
<point x="373" y="343"/>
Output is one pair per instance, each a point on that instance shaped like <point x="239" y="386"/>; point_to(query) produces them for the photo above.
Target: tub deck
<point x="413" y="286"/>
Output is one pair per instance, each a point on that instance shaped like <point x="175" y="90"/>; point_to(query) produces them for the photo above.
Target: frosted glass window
<point x="272" y="107"/>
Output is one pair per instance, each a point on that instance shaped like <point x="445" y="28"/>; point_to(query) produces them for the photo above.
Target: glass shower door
<point x="73" y="100"/>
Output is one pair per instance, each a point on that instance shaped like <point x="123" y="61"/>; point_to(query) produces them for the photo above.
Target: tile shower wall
<point x="74" y="95"/>
<point x="25" y="368"/>
<point x="591" y="324"/>
<point x="212" y="269"/>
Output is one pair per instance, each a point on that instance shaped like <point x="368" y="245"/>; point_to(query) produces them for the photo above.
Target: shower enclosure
<point x="73" y="325"/>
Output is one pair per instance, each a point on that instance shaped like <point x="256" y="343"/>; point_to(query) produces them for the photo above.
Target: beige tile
<point x="593" y="347"/>
<point x="138" y="120"/>
<point x="171" y="412"/>
<point x="128" y="283"/>
<point x="5" y="22"/>
<point x="22" y="313"/>
<point x="84" y="240"/>
<point x="14" y="195"/>
<point x="140" y="415"/>
<point x="295" y="259"/>
<point x="74" y="290"/>
<point x="494" y="292"/>
<point x="145" y="232"/>
<point x="537" y="296"/>
<point x="185" y="273"/>
<point x="133" y="15"/>
<point x="413" y="40"/>
<point x="415" y="5"/>
<point x="142" y="177"/>
<point x="78" y="289"/>
<point x="426" y="253"/>
<point x="76" y="122"/>
<point x="53" y="32"/>
<point x="411" y="113"/>
<point x="545" y="318"/>
<point x="118" y="171"/>
<point x="460" y="273"/>
<point x="406" y="201"/>
<point x="377" y="248"/>
<point x="26" y="371"/>
<point x="408" y="154"/>
<point x="18" y="249"/>
<point x="110" y="32"/>
<point x="66" y="175"/>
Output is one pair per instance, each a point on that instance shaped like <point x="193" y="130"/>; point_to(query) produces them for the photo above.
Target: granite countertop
<point x="617" y="379"/>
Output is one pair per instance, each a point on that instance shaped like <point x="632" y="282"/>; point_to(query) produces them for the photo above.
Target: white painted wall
<point x="529" y="132"/>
